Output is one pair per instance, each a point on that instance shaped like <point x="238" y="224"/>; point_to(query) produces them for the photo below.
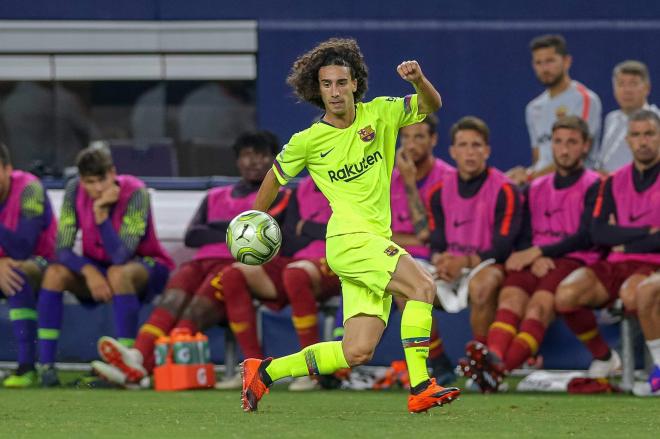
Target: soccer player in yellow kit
<point x="349" y="154"/>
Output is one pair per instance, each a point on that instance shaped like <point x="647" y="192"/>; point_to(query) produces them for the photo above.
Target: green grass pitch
<point x="69" y="413"/>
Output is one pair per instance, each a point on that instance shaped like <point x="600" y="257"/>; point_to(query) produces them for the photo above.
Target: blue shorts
<point x="158" y="276"/>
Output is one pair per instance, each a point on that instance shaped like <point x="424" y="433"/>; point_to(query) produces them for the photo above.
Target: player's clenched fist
<point x="410" y="71"/>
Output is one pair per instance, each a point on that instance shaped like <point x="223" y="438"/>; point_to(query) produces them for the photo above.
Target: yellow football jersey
<point x="352" y="166"/>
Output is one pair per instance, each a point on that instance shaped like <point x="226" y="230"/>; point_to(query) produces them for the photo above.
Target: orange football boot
<point x="253" y="387"/>
<point x="433" y="395"/>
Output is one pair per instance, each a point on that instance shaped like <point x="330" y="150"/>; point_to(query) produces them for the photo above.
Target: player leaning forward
<point x="349" y="154"/>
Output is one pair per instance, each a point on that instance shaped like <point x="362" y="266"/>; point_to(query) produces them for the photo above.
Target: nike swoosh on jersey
<point x="323" y="154"/>
<point x="634" y="218"/>
<point x="461" y="223"/>
<point x="550" y="213"/>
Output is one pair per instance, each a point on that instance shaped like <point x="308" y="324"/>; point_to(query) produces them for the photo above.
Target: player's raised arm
<point x="428" y="97"/>
<point x="267" y="192"/>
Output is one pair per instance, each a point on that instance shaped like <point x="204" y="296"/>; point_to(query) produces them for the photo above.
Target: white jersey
<point x="542" y="112"/>
<point x="614" y="151"/>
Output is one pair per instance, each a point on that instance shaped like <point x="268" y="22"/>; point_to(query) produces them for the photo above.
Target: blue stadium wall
<point x="474" y="51"/>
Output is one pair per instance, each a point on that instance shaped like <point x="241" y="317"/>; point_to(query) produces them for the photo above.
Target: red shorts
<point x="330" y="284"/>
<point x="274" y="271"/>
<point x="529" y="283"/>
<point x="613" y="274"/>
<point x="199" y="276"/>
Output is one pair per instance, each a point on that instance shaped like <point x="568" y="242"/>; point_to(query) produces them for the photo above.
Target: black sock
<point x="267" y="380"/>
<point x="24" y="368"/>
<point x="419" y="388"/>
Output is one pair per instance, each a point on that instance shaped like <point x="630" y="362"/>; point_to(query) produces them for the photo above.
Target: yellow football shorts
<point x="364" y="263"/>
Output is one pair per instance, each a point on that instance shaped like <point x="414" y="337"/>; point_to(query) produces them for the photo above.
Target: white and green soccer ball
<point x="254" y="237"/>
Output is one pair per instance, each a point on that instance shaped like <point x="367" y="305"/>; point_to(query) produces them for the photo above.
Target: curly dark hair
<point x="304" y="76"/>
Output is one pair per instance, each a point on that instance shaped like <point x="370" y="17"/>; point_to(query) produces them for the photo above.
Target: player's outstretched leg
<point x="257" y="375"/>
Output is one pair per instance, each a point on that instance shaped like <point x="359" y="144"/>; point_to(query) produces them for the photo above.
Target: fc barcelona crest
<point x="391" y="250"/>
<point x="561" y="111"/>
<point x="367" y="134"/>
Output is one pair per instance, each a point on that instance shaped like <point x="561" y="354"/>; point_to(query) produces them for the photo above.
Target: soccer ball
<point x="254" y="237"/>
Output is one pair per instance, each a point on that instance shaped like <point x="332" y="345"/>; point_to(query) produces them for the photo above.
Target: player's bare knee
<point x="425" y="289"/>
<point x="237" y="267"/>
<point x="202" y="312"/>
<point x="29" y="268"/>
<point x="647" y="299"/>
<point x="174" y="300"/>
<point x="480" y="295"/>
<point x="567" y="297"/>
<point x="32" y="273"/>
<point x="56" y="277"/>
<point x="515" y="306"/>
<point x="120" y="279"/>
<point x="539" y="312"/>
<point x="511" y="300"/>
<point x="358" y="354"/>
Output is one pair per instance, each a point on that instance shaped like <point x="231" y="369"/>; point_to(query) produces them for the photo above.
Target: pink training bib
<point x="556" y="213"/>
<point x="634" y="209"/>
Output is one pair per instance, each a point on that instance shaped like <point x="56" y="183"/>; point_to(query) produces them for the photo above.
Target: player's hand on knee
<point x="521" y="259"/>
<point x="542" y="266"/>
<point x="10" y="281"/>
<point x="99" y="287"/>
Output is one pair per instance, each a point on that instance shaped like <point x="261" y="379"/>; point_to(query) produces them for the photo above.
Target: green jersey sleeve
<point x="32" y="200"/>
<point x="399" y="111"/>
<point x="134" y="223"/>
<point x="67" y="227"/>
<point x="291" y="160"/>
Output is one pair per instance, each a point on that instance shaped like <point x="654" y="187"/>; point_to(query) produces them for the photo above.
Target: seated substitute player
<point x="241" y="284"/>
<point x="555" y="238"/>
<point x="350" y="155"/>
<point x="27" y="242"/>
<point x="193" y="298"/>
<point x="416" y="174"/>
<point x="476" y="215"/>
<point x="308" y="278"/>
<point x="626" y="218"/>
<point x="122" y="260"/>
<point x="645" y="299"/>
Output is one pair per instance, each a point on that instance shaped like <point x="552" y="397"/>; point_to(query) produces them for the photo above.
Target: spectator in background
<point x="149" y="114"/>
<point x="122" y="260"/>
<point x="476" y="216"/>
<point x="214" y="113"/>
<point x="46" y="126"/>
<point x="562" y="97"/>
<point x="632" y="85"/>
<point x="626" y="218"/>
<point x="27" y="241"/>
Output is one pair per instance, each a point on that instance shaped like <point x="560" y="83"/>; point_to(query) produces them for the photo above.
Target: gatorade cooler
<point x="183" y="362"/>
